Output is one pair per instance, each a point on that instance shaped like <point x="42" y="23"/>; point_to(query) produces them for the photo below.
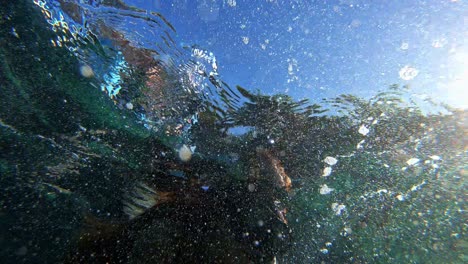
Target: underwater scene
<point x="224" y="131"/>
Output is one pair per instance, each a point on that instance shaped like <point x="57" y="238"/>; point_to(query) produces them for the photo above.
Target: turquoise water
<point x="120" y="144"/>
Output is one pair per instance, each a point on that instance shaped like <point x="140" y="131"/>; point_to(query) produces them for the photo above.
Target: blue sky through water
<point x="320" y="49"/>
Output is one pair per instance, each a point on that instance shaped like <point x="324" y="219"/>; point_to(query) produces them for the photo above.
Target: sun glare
<point x="456" y="89"/>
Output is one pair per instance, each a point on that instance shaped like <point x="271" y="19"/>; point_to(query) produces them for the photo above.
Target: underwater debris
<point x="139" y="200"/>
<point x="363" y="130"/>
<point x="86" y="71"/>
<point x="281" y="212"/>
<point x="213" y="218"/>
<point x="327" y="171"/>
<point x="325" y="189"/>
<point x="338" y="208"/>
<point x="330" y="161"/>
<point x="412" y="161"/>
<point x="185" y="153"/>
<point x="58" y="188"/>
<point x="274" y="166"/>
<point x="129" y="106"/>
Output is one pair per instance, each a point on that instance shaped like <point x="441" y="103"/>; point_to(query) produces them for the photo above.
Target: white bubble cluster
<point x="338" y="208"/>
<point x="408" y="73"/>
<point x="439" y="43"/>
<point x="185" y="153"/>
<point x="325" y="189"/>
<point x="363" y="130"/>
<point x="129" y="106"/>
<point x="412" y="161"/>
<point x="231" y="3"/>
<point x="404" y="46"/>
<point x="86" y="71"/>
<point x="330" y="160"/>
<point x="327" y="171"/>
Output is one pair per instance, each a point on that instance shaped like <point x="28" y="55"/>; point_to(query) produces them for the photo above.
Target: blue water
<point x="232" y="132"/>
<point x="334" y="47"/>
